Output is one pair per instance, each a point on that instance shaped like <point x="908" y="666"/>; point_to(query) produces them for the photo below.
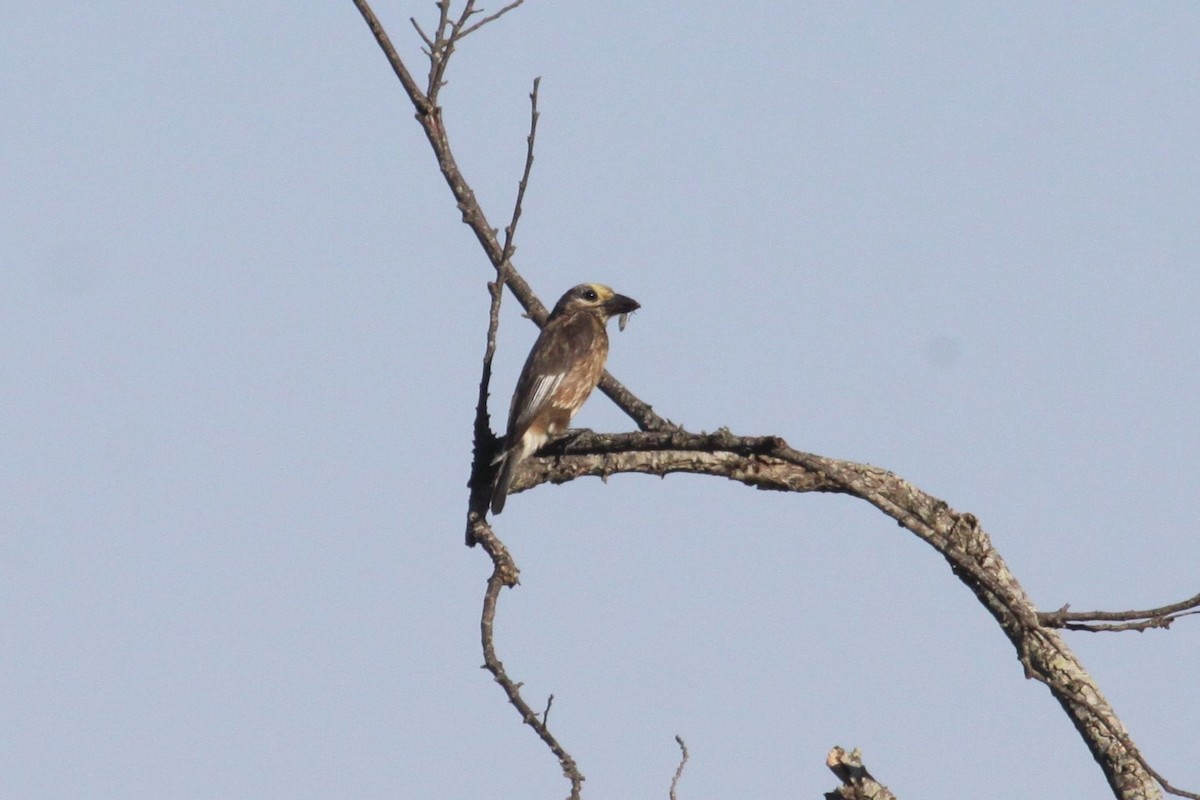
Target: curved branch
<point x="683" y="759"/>
<point x="506" y="574"/>
<point x="764" y="462"/>
<point x="768" y="462"/>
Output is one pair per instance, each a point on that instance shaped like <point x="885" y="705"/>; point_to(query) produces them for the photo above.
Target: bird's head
<point x="593" y="298"/>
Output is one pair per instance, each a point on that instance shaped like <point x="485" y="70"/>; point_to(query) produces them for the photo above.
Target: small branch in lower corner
<point x="857" y="782"/>
<point x="683" y="759"/>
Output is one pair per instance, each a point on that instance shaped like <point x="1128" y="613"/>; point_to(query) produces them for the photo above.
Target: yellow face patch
<point x="603" y="293"/>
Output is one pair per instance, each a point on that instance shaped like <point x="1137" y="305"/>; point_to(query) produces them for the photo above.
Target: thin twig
<point x="448" y="34"/>
<point x="505" y="573"/>
<point x="1133" y="620"/>
<point x="683" y="759"/>
<point x="511" y="230"/>
<point x="456" y="27"/>
<point x="484" y="441"/>
<point x="428" y="42"/>
<point x="442" y="49"/>
<point x="1150" y="624"/>
<point x="491" y="18"/>
<point x="1167" y="787"/>
<point x="419" y="100"/>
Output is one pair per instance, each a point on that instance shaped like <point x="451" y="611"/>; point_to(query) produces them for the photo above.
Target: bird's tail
<point x="508" y="464"/>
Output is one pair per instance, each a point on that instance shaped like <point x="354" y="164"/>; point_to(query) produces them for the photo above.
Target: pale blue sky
<point x="240" y="335"/>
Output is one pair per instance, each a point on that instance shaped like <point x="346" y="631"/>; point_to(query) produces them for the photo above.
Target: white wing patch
<point x="539" y="395"/>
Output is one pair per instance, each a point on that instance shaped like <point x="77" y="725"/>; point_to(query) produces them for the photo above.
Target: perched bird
<point x="563" y="368"/>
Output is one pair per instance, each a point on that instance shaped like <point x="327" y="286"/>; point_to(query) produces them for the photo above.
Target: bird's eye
<point x="590" y="295"/>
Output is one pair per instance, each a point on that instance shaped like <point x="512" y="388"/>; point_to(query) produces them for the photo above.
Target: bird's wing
<point x="541" y="389"/>
<point x="557" y="372"/>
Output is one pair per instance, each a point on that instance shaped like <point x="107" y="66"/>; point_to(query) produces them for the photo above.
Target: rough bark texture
<point x="768" y="463"/>
<point x="764" y="462"/>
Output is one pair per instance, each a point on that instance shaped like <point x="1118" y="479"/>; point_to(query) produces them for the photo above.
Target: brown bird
<point x="563" y="368"/>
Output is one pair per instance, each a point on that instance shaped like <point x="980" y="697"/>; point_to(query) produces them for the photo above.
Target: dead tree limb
<point x="765" y="462"/>
<point x="429" y="116"/>
<point x="857" y="782"/>
<point x="1102" y="621"/>
<point x="683" y="759"/>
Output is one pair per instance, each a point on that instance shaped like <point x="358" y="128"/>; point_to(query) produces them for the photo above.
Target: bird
<point x="562" y="369"/>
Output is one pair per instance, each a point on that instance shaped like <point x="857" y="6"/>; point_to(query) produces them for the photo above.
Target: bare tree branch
<point x="484" y="442"/>
<point x="683" y="759"/>
<point x="857" y="783"/>
<point x="430" y="118"/>
<point x="1168" y="788"/>
<point x="763" y="462"/>
<point x="511" y="231"/>
<point x="506" y="574"/>
<point x="419" y="100"/>
<point x="768" y="462"/>
<point x="443" y="45"/>
<point x="1132" y="620"/>
<point x="490" y="18"/>
<point x="428" y="50"/>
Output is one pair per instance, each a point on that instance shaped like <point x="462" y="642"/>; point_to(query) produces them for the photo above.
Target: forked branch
<point x="429" y="116"/>
<point x="763" y="462"/>
<point x="1103" y="621"/>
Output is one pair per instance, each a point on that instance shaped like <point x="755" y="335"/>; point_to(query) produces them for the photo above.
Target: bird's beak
<point x="620" y="304"/>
